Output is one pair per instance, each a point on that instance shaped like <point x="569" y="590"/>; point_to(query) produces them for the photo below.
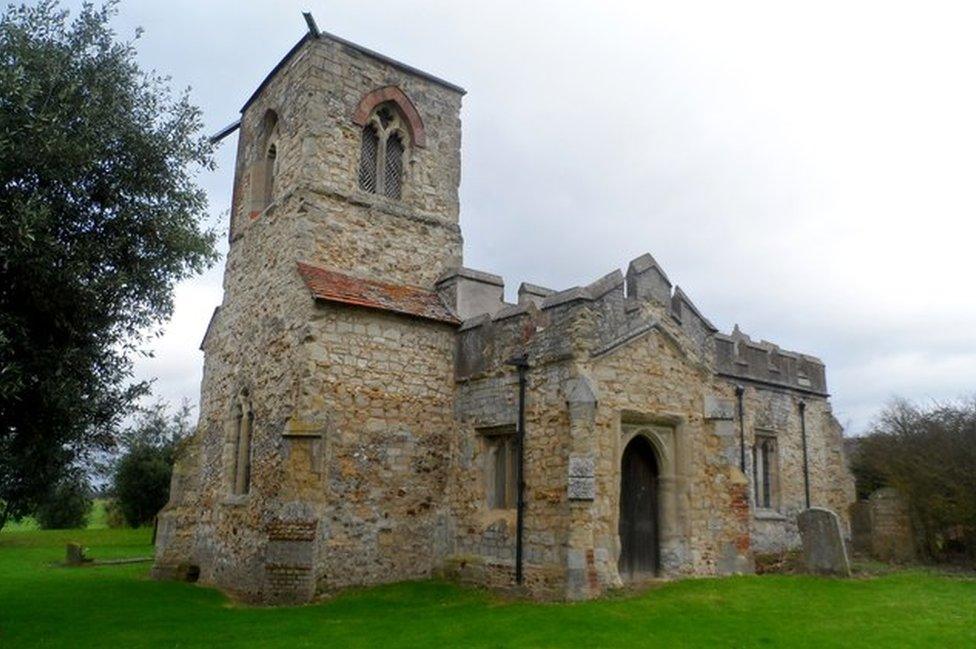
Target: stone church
<point x="364" y="394"/>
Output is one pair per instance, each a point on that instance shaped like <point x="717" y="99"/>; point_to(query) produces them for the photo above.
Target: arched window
<point x="367" y="159"/>
<point x="383" y="148"/>
<point x="243" y="429"/>
<point x="394" y="165"/>
<point x="264" y="165"/>
<point x="765" y="477"/>
<point x="270" y="169"/>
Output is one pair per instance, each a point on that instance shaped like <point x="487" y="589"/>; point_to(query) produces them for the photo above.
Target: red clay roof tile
<point x="331" y="286"/>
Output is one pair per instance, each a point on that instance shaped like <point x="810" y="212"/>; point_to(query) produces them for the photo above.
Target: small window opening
<point x="244" y="423"/>
<point x="501" y="457"/>
<point x="764" y="469"/>
<point x="270" y="169"/>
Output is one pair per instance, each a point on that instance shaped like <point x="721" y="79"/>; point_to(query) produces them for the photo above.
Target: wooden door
<point x="638" y="510"/>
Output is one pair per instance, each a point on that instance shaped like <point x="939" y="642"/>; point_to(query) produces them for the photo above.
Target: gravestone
<point x="823" y="545"/>
<point x="75" y="555"/>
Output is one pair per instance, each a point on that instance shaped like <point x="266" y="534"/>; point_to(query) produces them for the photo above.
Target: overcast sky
<point x="805" y="170"/>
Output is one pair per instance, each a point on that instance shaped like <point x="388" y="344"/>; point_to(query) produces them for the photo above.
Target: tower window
<point x="269" y="174"/>
<point x="394" y="165"/>
<point x="367" y="159"/>
<point x="264" y="164"/>
<point x="384" y="145"/>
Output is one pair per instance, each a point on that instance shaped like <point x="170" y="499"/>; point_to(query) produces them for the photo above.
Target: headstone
<point x="823" y="545"/>
<point x="75" y="555"/>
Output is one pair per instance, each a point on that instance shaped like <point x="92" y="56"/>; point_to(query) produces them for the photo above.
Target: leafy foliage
<point x="67" y="505"/>
<point x="142" y="474"/>
<point x="99" y="217"/>
<point x="930" y="456"/>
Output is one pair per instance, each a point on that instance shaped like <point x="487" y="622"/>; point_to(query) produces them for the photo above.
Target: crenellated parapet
<point x="597" y="318"/>
<point x="550" y="325"/>
<point x="739" y="357"/>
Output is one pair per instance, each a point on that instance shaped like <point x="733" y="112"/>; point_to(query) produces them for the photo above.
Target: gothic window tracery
<point x="382" y="152"/>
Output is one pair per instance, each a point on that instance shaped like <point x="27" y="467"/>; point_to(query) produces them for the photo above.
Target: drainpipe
<point x="739" y="392"/>
<point x="803" y="437"/>
<point x="522" y="364"/>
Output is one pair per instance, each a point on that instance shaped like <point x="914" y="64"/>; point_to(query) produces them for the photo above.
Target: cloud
<point x="803" y="170"/>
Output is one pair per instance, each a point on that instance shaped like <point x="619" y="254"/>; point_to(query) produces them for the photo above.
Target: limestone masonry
<point x="359" y="408"/>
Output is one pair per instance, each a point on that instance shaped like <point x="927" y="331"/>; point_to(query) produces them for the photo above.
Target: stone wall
<point x="776" y="413"/>
<point x="654" y="387"/>
<point x="252" y="344"/>
<point x="882" y="526"/>
<point x="381" y="387"/>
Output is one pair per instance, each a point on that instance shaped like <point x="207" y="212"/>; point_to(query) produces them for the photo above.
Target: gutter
<point x="522" y="364"/>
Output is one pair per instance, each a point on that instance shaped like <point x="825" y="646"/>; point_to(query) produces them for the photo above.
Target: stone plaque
<point x="582" y="484"/>
<point x="582" y="466"/>
<point x="717" y="408"/>
<point x="823" y="545"/>
<point x="582" y="488"/>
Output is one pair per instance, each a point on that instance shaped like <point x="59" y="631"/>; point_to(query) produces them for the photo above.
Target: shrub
<point x="142" y="483"/>
<point x="142" y="474"/>
<point x="114" y="517"/>
<point x="929" y="454"/>
<point x="66" y="506"/>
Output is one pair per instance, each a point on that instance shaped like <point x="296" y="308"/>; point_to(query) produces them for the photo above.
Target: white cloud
<point x="802" y="169"/>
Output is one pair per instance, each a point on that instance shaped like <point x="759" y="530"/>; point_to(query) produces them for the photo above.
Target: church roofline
<point x="309" y="36"/>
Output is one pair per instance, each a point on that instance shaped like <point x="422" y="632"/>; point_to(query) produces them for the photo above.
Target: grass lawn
<point x="118" y="606"/>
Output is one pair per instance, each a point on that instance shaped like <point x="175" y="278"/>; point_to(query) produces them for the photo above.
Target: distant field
<point x="42" y="605"/>
<point x="97" y="519"/>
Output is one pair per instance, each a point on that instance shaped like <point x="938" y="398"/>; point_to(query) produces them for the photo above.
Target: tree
<point x="142" y="474"/>
<point x="929" y="454"/>
<point x="100" y="216"/>
<point x="67" y="505"/>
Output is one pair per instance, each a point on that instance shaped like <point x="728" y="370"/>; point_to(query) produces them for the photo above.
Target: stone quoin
<point x="359" y="408"/>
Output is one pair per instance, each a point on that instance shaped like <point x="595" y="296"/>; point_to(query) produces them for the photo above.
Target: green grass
<point x="118" y="606"/>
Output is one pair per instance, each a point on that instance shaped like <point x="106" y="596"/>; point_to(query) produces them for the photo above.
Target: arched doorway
<point x="639" y="545"/>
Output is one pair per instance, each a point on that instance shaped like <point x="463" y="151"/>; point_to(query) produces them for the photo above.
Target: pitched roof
<point x="331" y="286"/>
<point x="359" y="48"/>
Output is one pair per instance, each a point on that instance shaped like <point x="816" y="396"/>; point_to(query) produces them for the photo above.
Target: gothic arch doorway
<point x="638" y="528"/>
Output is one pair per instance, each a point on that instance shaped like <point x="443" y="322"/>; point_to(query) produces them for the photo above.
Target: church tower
<point x="360" y="154"/>
<point x="326" y="400"/>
